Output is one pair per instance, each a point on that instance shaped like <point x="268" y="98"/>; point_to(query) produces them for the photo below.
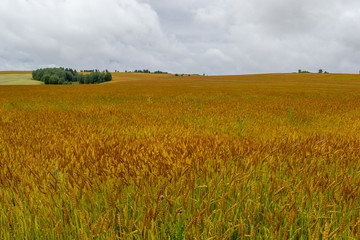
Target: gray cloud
<point x="204" y="36"/>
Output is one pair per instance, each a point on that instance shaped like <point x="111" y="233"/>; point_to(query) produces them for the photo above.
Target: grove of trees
<point x="148" y="71"/>
<point x="69" y="76"/>
<point x="94" y="77"/>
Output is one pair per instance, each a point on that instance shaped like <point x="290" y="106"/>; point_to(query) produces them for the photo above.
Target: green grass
<point x="17" y="79"/>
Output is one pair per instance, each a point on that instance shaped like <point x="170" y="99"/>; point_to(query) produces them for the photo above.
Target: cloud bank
<point x="212" y="37"/>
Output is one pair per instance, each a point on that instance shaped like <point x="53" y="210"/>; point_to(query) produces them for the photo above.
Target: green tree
<point x="46" y="79"/>
<point x="54" y="79"/>
<point x="108" y="77"/>
<point x="80" y="78"/>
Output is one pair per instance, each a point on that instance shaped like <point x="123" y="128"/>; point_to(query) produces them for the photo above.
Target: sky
<point x="210" y="37"/>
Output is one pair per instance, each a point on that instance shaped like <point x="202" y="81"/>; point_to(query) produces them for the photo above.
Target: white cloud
<point x="283" y="35"/>
<point x="83" y="33"/>
<point x="215" y="37"/>
<point x="217" y="54"/>
<point x="212" y="16"/>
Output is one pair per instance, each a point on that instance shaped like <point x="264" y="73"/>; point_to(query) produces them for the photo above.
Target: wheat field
<point x="150" y="156"/>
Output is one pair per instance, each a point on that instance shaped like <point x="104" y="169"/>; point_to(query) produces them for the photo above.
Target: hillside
<point x="312" y="80"/>
<point x="17" y="78"/>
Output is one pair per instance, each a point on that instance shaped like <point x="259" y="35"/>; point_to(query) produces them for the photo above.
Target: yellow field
<point x="163" y="157"/>
<point x="15" y="72"/>
<point x="17" y="78"/>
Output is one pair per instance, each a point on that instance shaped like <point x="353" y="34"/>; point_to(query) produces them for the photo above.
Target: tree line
<point x="304" y="71"/>
<point x="147" y="71"/>
<point x="69" y="76"/>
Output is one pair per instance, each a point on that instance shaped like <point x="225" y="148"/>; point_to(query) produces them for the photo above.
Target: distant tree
<point x="46" y="79"/>
<point x="54" y="79"/>
<point x="69" y="76"/>
<point x="81" y="79"/>
<point x="107" y="77"/>
<point x="303" y="71"/>
<point x="87" y="79"/>
<point x="160" y="72"/>
<point x="55" y="75"/>
<point x="321" y="71"/>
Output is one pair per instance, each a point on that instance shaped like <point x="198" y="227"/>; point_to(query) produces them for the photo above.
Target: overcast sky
<point x="187" y="36"/>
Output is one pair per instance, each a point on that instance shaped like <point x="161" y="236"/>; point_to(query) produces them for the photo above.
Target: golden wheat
<point x="168" y="157"/>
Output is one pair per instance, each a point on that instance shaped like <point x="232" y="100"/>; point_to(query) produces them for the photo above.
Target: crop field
<point x="17" y="78"/>
<point x="151" y="156"/>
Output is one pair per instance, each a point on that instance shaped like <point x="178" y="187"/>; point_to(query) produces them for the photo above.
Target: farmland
<point x="157" y="156"/>
<point x="17" y="78"/>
